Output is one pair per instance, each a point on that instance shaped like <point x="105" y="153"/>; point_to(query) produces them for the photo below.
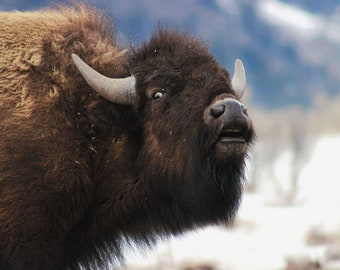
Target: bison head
<point x="194" y="132"/>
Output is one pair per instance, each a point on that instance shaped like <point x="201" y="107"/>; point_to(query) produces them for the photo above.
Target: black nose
<point x="229" y="119"/>
<point x="229" y="109"/>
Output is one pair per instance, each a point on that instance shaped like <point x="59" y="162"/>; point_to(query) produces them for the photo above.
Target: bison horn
<point x="120" y="91"/>
<point x="238" y="81"/>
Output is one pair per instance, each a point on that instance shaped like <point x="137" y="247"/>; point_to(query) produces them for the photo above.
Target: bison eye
<point x="157" y="95"/>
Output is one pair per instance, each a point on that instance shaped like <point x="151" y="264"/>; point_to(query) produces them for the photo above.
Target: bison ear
<point x="238" y="81"/>
<point x="120" y="91"/>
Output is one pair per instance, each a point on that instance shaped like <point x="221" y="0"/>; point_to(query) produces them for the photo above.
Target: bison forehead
<point x="182" y="65"/>
<point x="210" y="77"/>
<point x="198" y="83"/>
<point x="174" y="52"/>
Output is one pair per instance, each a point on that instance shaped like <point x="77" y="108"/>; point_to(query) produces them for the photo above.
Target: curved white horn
<point x="121" y="91"/>
<point x="238" y="81"/>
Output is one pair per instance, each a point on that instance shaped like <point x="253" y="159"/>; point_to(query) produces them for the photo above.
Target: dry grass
<point x="302" y="264"/>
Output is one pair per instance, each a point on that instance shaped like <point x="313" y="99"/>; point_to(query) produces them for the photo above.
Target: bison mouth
<point x="232" y="142"/>
<point x="232" y="135"/>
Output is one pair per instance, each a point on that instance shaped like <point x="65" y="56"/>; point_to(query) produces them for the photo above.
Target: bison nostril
<point x="217" y="111"/>
<point x="244" y="109"/>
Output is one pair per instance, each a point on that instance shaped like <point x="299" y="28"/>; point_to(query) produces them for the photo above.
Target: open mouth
<point x="232" y="136"/>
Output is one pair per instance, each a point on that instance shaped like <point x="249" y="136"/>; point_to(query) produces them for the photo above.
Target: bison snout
<point x="230" y="118"/>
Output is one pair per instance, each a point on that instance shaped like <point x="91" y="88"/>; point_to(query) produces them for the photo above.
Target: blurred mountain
<point x="291" y="48"/>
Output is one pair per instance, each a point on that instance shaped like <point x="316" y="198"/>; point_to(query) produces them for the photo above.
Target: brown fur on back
<point x="42" y="42"/>
<point x="47" y="125"/>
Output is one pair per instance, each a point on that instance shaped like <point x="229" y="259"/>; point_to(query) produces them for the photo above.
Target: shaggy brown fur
<point x="79" y="174"/>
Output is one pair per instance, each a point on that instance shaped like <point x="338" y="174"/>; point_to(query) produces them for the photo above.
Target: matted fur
<point x="79" y="175"/>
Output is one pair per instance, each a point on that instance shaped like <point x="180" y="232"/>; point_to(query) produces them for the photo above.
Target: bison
<point x="136" y="145"/>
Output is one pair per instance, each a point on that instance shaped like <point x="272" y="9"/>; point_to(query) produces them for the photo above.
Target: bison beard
<point x="80" y="175"/>
<point x="182" y="200"/>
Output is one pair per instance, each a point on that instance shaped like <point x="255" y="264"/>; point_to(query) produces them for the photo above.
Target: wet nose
<point x="229" y="109"/>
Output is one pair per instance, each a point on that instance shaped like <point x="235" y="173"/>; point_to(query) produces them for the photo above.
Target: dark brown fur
<point x="79" y="174"/>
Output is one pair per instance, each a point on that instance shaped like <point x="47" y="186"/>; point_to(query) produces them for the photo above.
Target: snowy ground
<point x="266" y="234"/>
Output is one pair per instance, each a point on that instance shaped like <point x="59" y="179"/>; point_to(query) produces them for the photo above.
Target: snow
<point x="320" y="180"/>
<point x="298" y="22"/>
<point x="265" y="234"/>
<point x="231" y="7"/>
<point x="286" y="15"/>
